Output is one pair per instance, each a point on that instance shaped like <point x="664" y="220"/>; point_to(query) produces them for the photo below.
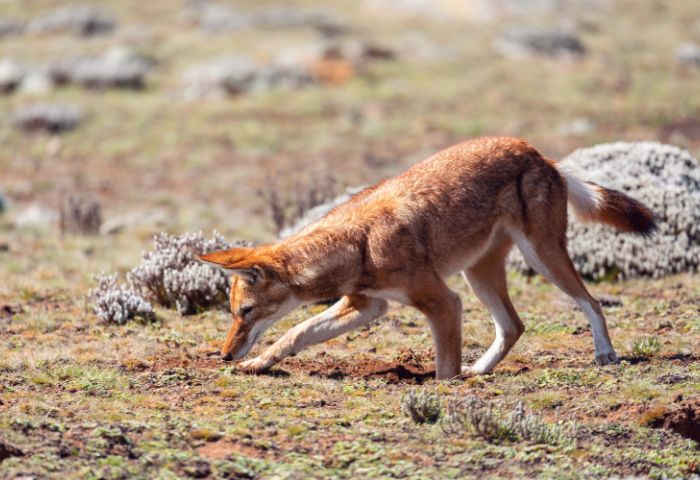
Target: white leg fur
<point x="508" y="325"/>
<point x="336" y="320"/>
<point x="604" y="352"/>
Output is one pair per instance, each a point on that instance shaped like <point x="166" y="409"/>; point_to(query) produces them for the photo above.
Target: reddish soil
<point x="682" y="417"/>
<point x="200" y="362"/>
<point x="8" y="450"/>
<point x="222" y="449"/>
<point x="392" y="372"/>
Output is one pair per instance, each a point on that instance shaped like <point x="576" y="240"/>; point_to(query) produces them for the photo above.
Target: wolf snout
<point x="227" y="357"/>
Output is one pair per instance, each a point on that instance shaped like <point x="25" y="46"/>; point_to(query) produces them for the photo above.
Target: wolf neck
<point x="324" y="263"/>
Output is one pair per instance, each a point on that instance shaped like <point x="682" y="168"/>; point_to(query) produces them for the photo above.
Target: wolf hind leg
<point x="549" y="257"/>
<point x="487" y="279"/>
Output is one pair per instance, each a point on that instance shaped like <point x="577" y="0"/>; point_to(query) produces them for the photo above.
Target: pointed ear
<point x="224" y="258"/>
<point x="236" y="261"/>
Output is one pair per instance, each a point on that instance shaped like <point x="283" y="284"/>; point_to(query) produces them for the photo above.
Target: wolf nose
<point x="226" y="356"/>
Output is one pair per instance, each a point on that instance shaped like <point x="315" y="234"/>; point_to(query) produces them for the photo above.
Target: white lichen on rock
<point x="523" y="41"/>
<point x="666" y="179"/>
<point x="171" y="275"/>
<point x="117" y="67"/>
<point x="48" y="117"/>
<point x="85" y="20"/>
<point x="117" y="304"/>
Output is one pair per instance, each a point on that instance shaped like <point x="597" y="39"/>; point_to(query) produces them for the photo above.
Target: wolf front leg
<point x="443" y="309"/>
<point x="348" y="313"/>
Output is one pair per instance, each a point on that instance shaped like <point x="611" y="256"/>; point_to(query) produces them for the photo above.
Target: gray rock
<point x="239" y="75"/>
<point x="85" y="20"/>
<point x="493" y="10"/>
<point x="11" y="75"/>
<point x="217" y="18"/>
<point x="10" y="27"/>
<point x="48" y="117"/>
<point x="576" y="127"/>
<point x="220" y="77"/>
<point x="36" y="216"/>
<point x="117" y="67"/>
<point x="292" y="68"/>
<point x="36" y="82"/>
<point x="688" y="55"/>
<point x="522" y="41"/>
<point x="155" y="219"/>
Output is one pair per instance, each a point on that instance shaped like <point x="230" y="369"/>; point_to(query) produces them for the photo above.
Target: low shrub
<point x="422" y="406"/>
<point x="117" y="305"/>
<point x="171" y="275"/>
<point x="81" y="215"/>
<point x="667" y="180"/>
<point x="472" y="416"/>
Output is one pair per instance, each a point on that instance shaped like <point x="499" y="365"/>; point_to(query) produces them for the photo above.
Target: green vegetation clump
<point x="422" y="406"/>
<point x="646" y="346"/>
<point x="472" y="416"/>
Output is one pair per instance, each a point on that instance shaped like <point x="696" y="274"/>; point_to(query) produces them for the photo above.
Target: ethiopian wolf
<point x="460" y="210"/>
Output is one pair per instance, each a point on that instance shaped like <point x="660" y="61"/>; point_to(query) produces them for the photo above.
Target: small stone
<point x="688" y="55"/>
<point x="47" y="117"/>
<point x="526" y="41"/>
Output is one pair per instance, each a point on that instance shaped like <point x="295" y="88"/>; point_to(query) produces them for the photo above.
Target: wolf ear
<point x="233" y="261"/>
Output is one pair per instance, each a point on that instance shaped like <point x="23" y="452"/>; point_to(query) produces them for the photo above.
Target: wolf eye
<point x="243" y="311"/>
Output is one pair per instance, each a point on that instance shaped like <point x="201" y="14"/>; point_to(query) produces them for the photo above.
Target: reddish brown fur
<point x="459" y="210"/>
<point x="625" y="213"/>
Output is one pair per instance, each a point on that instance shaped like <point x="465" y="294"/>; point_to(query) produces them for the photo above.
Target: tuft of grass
<point x="474" y="417"/>
<point x="422" y="406"/>
<point x="205" y="434"/>
<point x="646" y="346"/>
<point x="652" y="415"/>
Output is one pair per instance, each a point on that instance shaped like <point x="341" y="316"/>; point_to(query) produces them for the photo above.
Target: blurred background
<point x="241" y="115"/>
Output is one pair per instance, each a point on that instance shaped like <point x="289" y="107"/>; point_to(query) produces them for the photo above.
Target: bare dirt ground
<point x="83" y="399"/>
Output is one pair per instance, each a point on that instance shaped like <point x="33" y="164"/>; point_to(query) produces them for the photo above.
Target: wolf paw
<point x="255" y="365"/>
<point x="606" y="358"/>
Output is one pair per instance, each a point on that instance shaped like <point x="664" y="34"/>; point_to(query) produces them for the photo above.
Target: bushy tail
<point x="594" y="203"/>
